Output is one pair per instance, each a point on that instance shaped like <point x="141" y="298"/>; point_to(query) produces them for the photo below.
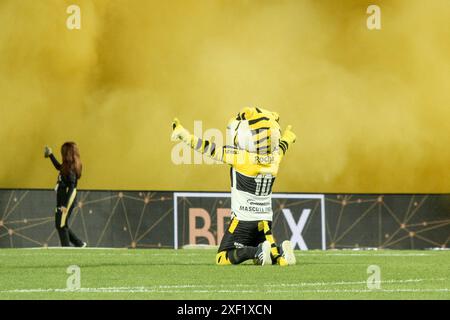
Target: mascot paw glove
<point x="288" y="135"/>
<point x="179" y="132"/>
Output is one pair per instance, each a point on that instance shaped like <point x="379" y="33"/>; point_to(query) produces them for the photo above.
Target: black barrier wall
<point x="102" y="219"/>
<point x="143" y="219"/>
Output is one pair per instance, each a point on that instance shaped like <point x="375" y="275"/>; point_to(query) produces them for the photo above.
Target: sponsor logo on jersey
<point x="231" y="151"/>
<point x="267" y="159"/>
<point x="254" y="203"/>
<point x="255" y="209"/>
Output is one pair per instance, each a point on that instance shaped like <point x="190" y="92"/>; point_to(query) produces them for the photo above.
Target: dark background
<point x="144" y="219"/>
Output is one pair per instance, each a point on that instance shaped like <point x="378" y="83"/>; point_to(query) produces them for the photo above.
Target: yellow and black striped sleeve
<point x="284" y="146"/>
<point x="225" y="154"/>
<point x="206" y="147"/>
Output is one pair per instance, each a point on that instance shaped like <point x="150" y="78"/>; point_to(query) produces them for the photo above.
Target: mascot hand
<point x="179" y="132"/>
<point x="47" y="151"/>
<point x="288" y="135"/>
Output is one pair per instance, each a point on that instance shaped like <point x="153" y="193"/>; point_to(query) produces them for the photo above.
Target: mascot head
<point x="255" y="130"/>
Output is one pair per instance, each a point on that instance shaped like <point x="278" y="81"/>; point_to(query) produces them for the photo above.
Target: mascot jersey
<point x="254" y="150"/>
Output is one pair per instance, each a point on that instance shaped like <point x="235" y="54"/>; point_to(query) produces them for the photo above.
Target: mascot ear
<point x="276" y="116"/>
<point x="246" y="113"/>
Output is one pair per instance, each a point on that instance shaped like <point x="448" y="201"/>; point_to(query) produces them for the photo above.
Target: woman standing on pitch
<point x="66" y="191"/>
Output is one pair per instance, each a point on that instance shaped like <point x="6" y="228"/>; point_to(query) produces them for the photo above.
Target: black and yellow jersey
<point x="251" y="187"/>
<point x="252" y="177"/>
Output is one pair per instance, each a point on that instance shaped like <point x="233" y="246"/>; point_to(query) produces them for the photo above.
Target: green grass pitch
<point x="192" y="274"/>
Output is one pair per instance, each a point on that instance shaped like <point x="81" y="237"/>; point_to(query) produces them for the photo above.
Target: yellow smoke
<point x="371" y="108"/>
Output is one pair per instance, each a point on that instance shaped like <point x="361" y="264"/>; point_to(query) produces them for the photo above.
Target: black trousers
<point x="243" y="234"/>
<point x="240" y="241"/>
<point x="66" y="236"/>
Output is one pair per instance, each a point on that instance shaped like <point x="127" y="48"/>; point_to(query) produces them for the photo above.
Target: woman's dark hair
<point x="71" y="162"/>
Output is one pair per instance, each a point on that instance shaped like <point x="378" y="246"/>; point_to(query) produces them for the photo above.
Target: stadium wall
<point x="147" y="219"/>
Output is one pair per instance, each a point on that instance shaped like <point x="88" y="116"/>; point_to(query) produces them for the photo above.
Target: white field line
<point x="378" y="254"/>
<point x="150" y="290"/>
<point x="72" y="248"/>
<point x="339" y="283"/>
<point x="116" y="251"/>
<point x="125" y="252"/>
<point x="203" y="288"/>
<point x="91" y="254"/>
<point x="307" y="252"/>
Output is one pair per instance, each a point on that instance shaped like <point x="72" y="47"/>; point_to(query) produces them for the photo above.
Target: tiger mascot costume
<point x="254" y="149"/>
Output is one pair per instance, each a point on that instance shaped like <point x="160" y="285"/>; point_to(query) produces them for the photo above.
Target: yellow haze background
<point x="371" y="109"/>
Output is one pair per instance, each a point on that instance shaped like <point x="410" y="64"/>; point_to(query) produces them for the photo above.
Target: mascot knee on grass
<point x="254" y="149"/>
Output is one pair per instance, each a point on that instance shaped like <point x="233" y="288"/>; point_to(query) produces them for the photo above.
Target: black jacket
<point x="66" y="190"/>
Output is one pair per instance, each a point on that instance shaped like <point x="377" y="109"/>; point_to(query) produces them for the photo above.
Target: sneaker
<point x="288" y="253"/>
<point x="84" y="245"/>
<point x="262" y="256"/>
